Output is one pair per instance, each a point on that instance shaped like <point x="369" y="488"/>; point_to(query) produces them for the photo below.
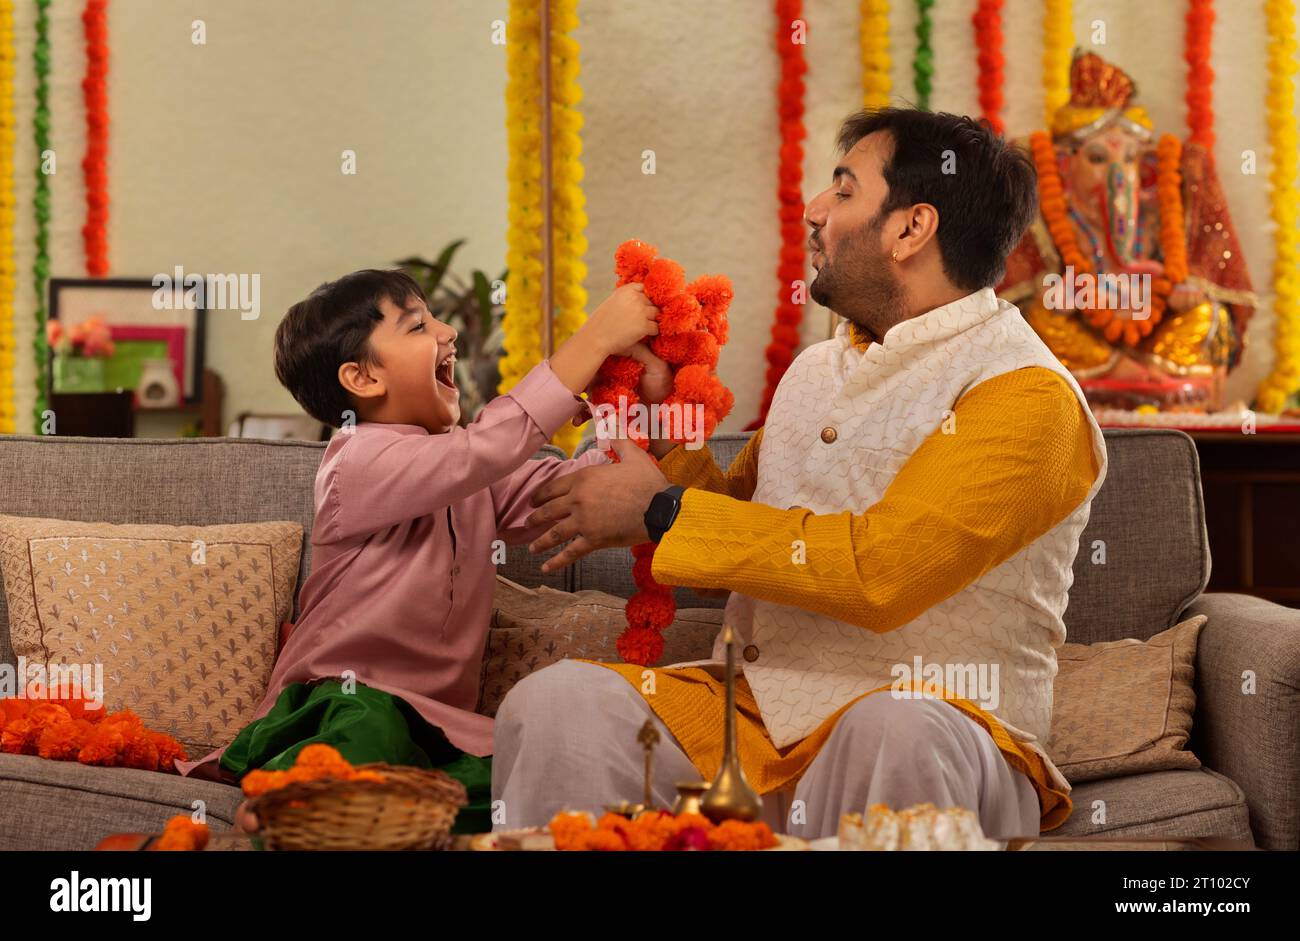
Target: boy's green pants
<point x="366" y="725"/>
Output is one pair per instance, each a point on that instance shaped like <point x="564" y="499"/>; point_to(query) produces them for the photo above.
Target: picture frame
<point x="170" y="339"/>
<point x="126" y="304"/>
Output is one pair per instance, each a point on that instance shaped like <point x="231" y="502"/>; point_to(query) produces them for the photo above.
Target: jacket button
<point x="828" y="434"/>
<point x="750" y="653"/>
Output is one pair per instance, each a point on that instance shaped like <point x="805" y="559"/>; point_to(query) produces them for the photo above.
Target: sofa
<point x="1149" y="514"/>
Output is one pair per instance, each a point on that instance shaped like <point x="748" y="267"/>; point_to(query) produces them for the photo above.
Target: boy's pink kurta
<point x="400" y="591"/>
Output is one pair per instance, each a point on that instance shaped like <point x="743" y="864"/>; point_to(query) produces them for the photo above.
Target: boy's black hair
<point x="985" y="202"/>
<point x="332" y="327"/>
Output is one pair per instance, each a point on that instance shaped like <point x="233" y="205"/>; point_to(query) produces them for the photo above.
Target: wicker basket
<point x="411" y="809"/>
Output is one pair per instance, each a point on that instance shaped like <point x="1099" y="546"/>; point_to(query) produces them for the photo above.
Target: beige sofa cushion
<point x="184" y="619"/>
<point x="535" y="627"/>
<point x="1125" y="707"/>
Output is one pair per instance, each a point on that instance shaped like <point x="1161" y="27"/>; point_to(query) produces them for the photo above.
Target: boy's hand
<point x="245" y="819"/>
<point x="623" y="319"/>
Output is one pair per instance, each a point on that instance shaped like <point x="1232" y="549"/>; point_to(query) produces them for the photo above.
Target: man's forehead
<point x="866" y="157"/>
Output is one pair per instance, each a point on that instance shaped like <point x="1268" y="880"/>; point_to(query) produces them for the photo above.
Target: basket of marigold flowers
<point x="325" y="803"/>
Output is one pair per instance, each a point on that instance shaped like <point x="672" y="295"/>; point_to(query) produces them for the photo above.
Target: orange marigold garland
<point x="1173" y="248"/>
<point x="95" y="89"/>
<point x="692" y="331"/>
<point x="65" y="730"/>
<point x="987" y="20"/>
<point x="791" y="267"/>
<point x="1200" y="76"/>
<point x="657" y="830"/>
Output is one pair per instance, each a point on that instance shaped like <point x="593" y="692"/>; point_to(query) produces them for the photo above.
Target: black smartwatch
<point x="663" y="511"/>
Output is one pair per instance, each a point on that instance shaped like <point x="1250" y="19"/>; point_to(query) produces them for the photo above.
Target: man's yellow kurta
<point x="1023" y="435"/>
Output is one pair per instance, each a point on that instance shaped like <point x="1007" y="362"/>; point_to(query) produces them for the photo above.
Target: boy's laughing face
<point x="414" y="382"/>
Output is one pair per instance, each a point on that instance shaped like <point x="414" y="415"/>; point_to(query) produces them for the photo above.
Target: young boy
<point x="384" y="661"/>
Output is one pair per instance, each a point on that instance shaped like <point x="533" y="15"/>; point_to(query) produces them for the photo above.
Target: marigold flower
<point x="602" y="841"/>
<point x="105" y="745"/>
<point x="642" y="645"/>
<point x="257" y="782"/>
<point x="664" y="281"/>
<point x="650" y="831"/>
<point x="182" y="833"/>
<point x="740" y="835"/>
<point x="45" y="714"/>
<point x="320" y="755"/>
<point x="567" y="829"/>
<point x="63" y="741"/>
<point x="19" y="738"/>
<point x="632" y="260"/>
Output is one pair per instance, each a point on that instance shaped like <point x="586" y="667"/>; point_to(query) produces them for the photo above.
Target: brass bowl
<point x="690" y="795"/>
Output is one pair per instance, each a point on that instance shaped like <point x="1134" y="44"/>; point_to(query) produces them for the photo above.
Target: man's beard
<point x="861" y="285"/>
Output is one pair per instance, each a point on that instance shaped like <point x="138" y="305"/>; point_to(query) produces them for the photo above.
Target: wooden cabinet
<point x="1251" y="485"/>
<point x="111" y="414"/>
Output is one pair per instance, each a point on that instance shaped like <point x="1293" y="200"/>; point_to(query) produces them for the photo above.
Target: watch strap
<point x="655" y="523"/>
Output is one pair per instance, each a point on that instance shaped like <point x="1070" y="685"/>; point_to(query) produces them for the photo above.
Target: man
<point x="898" y="538"/>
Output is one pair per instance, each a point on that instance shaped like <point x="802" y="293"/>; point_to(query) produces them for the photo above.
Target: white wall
<point x="226" y="157"/>
<point x="696" y="83"/>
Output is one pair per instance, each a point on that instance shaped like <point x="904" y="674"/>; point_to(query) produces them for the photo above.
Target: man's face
<point x="855" y="275"/>
<point x="418" y="371"/>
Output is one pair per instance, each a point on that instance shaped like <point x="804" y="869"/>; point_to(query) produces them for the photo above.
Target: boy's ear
<point x="359" y="382"/>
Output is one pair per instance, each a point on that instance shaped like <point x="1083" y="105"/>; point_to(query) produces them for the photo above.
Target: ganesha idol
<point x="1132" y="273"/>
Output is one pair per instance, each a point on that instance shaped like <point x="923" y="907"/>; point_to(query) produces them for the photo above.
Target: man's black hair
<point x="985" y="203"/>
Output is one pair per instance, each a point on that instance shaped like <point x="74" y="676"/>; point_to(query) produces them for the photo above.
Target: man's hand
<point x="657" y="381"/>
<point x="596" y="507"/>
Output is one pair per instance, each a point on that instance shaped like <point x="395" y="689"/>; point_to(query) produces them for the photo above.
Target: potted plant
<point x="473" y="305"/>
<point x="79" y="354"/>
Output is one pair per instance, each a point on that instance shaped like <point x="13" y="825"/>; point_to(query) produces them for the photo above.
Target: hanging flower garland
<point x="1280" y="108"/>
<point x="8" y="337"/>
<point x="1200" y="76"/>
<point x="41" y="200"/>
<point x="987" y="21"/>
<point x="1173" y="248"/>
<point x="792" y="265"/>
<point x="95" y="90"/>
<point x="568" y="207"/>
<point x="524" y="321"/>
<point x="1058" y="40"/>
<point x="923" y="59"/>
<point x="874" y="39"/>
<point x="692" y="331"/>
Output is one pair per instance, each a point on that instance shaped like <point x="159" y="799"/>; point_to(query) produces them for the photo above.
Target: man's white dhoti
<point x="566" y="739"/>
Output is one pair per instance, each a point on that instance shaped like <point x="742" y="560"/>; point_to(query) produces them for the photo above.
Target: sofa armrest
<point x="1253" y="738"/>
